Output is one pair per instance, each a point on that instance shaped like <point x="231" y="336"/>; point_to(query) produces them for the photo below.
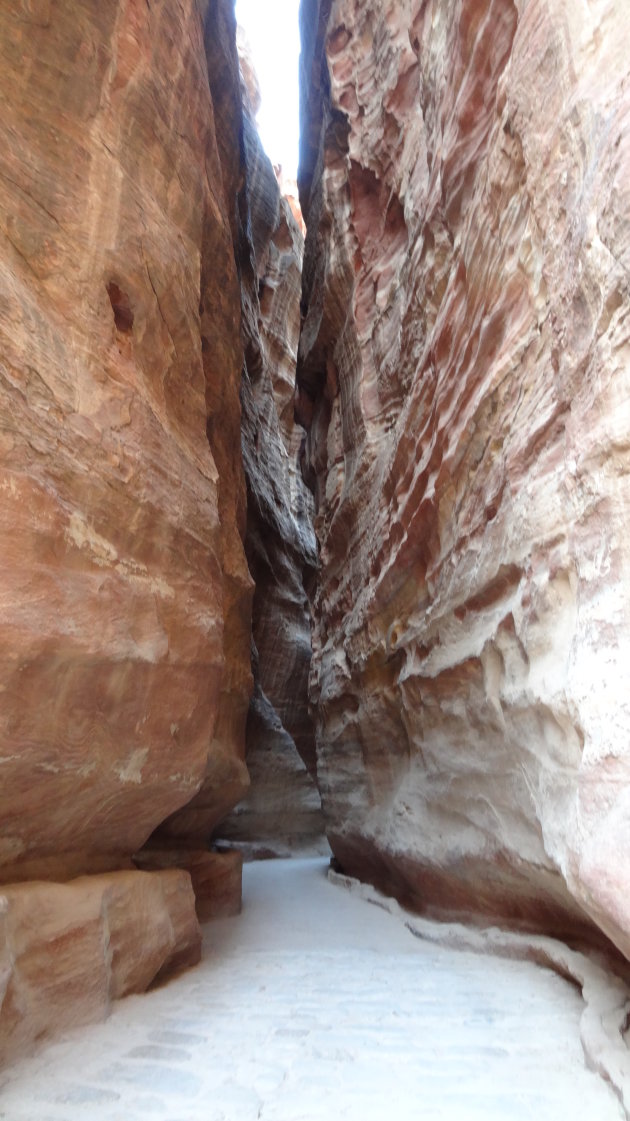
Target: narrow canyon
<point x="314" y="515"/>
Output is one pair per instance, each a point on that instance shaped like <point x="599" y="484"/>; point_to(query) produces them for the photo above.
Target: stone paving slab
<point x="314" y="1006"/>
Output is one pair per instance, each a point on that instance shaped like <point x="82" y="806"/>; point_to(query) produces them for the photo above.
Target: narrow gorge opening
<point x="269" y="50"/>
<point x="342" y="519"/>
<point x="281" y="814"/>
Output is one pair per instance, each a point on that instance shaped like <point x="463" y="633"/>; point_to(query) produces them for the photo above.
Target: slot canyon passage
<point x="315" y="535"/>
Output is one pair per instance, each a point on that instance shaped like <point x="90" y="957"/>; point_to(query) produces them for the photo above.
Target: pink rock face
<point x="120" y="554"/>
<point x="125" y="599"/>
<point x="464" y="378"/>
<point x="68" y="950"/>
<point x="216" y="878"/>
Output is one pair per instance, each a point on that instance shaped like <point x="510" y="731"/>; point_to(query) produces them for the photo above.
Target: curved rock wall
<point x="464" y="378"/>
<point x="115" y="546"/>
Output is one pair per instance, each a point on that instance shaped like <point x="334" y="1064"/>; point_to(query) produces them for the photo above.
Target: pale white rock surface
<point x="315" y="1005"/>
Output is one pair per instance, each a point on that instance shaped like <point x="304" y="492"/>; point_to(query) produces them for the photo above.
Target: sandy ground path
<point x="316" y="1005"/>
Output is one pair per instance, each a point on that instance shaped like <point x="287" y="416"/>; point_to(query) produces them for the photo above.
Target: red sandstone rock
<point x="225" y="778"/>
<point x="117" y="570"/>
<point x="68" y="950"/>
<point x="463" y="375"/>
<point x="216" y="878"/>
<point x="290" y="191"/>
<point x="125" y="599"/>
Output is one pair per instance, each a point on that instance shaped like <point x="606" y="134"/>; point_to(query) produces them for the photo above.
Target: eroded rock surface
<point x="120" y="555"/>
<point x="464" y="377"/>
<point x="216" y="877"/>
<point x="283" y="807"/>
<point x="225" y="778"/>
<point x="68" y="950"/>
<point x="125" y="613"/>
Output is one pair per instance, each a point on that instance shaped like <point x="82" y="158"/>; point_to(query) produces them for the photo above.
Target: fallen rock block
<point x="68" y="950"/>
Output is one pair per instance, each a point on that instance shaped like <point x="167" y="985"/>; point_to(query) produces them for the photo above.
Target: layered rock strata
<point x="119" y="534"/>
<point x="125" y="596"/>
<point x="283" y="808"/>
<point x="464" y="377"/>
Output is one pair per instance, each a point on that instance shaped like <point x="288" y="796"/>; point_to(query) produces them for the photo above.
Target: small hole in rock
<point x="121" y="307"/>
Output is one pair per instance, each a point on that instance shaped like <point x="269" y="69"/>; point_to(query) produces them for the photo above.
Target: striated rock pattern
<point x="226" y="778"/>
<point x="464" y="377"/>
<point x="120" y="558"/>
<point x="282" y="812"/>
<point x="125" y="598"/>
<point x="283" y="807"/>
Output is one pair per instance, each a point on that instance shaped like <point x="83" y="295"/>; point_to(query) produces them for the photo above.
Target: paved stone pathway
<point x="316" y="1006"/>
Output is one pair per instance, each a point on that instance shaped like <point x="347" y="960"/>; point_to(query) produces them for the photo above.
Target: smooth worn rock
<point x="464" y="380"/>
<point x="225" y="778"/>
<point x="68" y="950"/>
<point x="125" y="598"/>
<point x="216" y="877"/>
<point x="124" y="584"/>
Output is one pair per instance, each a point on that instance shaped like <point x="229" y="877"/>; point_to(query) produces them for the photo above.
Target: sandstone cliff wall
<point x="125" y="613"/>
<point x="464" y="378"/>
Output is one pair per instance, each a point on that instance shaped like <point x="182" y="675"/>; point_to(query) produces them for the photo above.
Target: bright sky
<point x="274" y="36"/>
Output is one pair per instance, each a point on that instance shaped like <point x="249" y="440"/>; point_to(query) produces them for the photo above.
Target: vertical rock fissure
<point x="282" y="811"/>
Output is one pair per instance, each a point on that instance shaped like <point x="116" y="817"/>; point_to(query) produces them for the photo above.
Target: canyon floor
<point x="314" y="1004"/>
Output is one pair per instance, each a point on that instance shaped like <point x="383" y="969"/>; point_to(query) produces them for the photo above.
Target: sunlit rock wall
<point x="464" y="377"/>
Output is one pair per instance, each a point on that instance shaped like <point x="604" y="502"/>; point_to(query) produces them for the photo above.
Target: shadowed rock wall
<point x="283" y="808"/>
<point x="464" y="380"/>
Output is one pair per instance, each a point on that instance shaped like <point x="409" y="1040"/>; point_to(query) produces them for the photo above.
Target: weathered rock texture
<point x="464" y="376"/>
<point x="226" y="778"/>
<point x="216" y="877"/>
<point x="125" y="609"/>
<point x="121" y="556"/>
<point x="68" y="950"/>
<point x="283" y="806"/>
